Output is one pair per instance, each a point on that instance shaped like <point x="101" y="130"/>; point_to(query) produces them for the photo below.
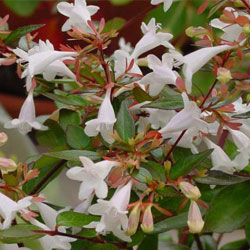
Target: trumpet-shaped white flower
<point x="151" y="39"/>
<point x="166" y="3"/>
<point x="113" y="213"/>
<point x="12" y="247"/>
<point x="188" y="118"/>
<point x="43" y="59"/>
<point x="196" y="60"/>
<point x="92" y="176"/>
<point x="104" y="122"/>
<point x="157" y="118"/>
<point x="125" y="46"/>
<point x="26" y="119"/>
<point x="48" y="242"/>
<point x="220" y="159"/>
<point x="9" y="208"/>
<point x="231" y="31"/>
<point x="78" y="13"/>
<point x="162" y="73"/>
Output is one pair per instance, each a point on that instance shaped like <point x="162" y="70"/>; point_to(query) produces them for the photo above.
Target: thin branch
<point x="198" y="241"/>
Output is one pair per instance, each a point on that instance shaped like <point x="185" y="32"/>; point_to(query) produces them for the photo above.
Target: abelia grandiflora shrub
<point x="152" y="152"/>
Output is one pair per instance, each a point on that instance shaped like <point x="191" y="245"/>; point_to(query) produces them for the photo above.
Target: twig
<point x="198" y="241"/>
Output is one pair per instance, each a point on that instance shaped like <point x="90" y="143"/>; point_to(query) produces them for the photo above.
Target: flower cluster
<point x="142" y="146"/>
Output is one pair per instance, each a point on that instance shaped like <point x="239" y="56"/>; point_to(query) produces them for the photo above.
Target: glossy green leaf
<point x="150" y="242"/>
<point x="73" y="155"/>
<point x="229" y="210"/>
<point x="76" y="137"/>
<point x="247" y="231"/>
<point x="155" y="169"/>
<point x="215" y="177"/>
<point x="19" y="233"/>
<point x="125" y="125"/>
<point x="140" y="95"/>
<point x="236" y="245"/>
<point x="174" y="222"/>
<point x="245" y="115"/>
<point x="100" y="246"/>
<point x="73" y="219"/>
<point x="53" y="137"/>
<point x="15" y="35"/>
<point x="120" y="2"/>
<point x="165" y="104"/>
<point x="68" y="100"/>
<point x="142" y="175"/>
<point x="185" y="165"/>
<point x="114" y="24"/>
<point x="173" y="246"/>
<point x="69" y="117"/>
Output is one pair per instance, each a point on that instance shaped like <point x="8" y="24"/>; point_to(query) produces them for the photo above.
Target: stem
<point x="223" y="138"/>
<point x="95" y="240"/>
<point x="198" y="241"/>
<point x="175" y="144"/>
<point x="46" y="177"/>
<point x="209" y="93"/>
<point x="247" y="5"/>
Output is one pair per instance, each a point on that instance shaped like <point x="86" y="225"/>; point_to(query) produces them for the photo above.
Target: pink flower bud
<point x="190" y="191"/>
<point x="147" y="221"/>
<point x="3" y="139"/>
<point x="7" y="165"/>
<point x="195" y="221"/>
<point x="133" y="219"/>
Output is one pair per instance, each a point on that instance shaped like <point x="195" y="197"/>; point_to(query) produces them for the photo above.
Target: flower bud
<point x="7" y="165"/>
<point x="3" y="139"/>
<point x="133" y="219"/>
<point x="195" y="221"/>
<point x="223" y="75"/>
<point x="196" y="31"/>
<point x="246" y="29"/>
<point x="190" y="191"/>
<point x="147" y="221"/>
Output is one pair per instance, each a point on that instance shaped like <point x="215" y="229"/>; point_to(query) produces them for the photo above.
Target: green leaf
<point x="245" y="115"/>
<point x="100" y="246"/>
<point x="215" y="177"/>
<point x="173" y="246"/>
<point x="207" y="242"/>
<point x="69" y="117"/>
<point x="68" y="100"/>
<point x="155" y="169"/>
<point x="142" y="175"/>
<point x="19" y="233"/>
<point x="23" y="8"/>
<point x="120" y="2"/>
<point x="174" y="222"/>
<point x="73" y="219"/>
<point x="15" y="35"/>
<point x="247" y="231"/>
<point x="185" y="165"/>
<point x="150" y="242"/>
<point x="52" y="137"/>
<point x="236" y="245"/>
<point x="125" y="125"/>
<point x="168" y="191"/>
<point x="76" y="137"/>
<point x="229" y="210"/>
<point x="73" y="155"/>
<point x="165" y="104"/>
<point x="45" y="165"/>
<point x="140" y="95"/>
<point x="114" y="24"/>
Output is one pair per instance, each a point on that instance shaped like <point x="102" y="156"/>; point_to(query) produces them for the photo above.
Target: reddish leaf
<point x="203" y="7"/>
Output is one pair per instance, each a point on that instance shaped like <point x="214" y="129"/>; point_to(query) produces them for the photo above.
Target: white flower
<point x="92" y="176"/>
<point x="49" y="215"/>
<point x="151" y="39"/>
<point x="187" y="118"/>
<point x="196" y="60"/>
<point x="162" y="73"/>
<point x="231" y="31"/>
<point x="9" y="208"/>
<point x="43" y="59"/>
<point x="125" y="46"/>
<point x="113" y="213"/>
<point x="12" y="247"/>
<point x="166" y="3"/>
<point x="84" y="205"/>
<point x="26" y="119"/>
<point x="157" y="118"/>
<point x="220" y="159"/>
<point x="78" y="13"/>
<point x="104" y="122"/>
